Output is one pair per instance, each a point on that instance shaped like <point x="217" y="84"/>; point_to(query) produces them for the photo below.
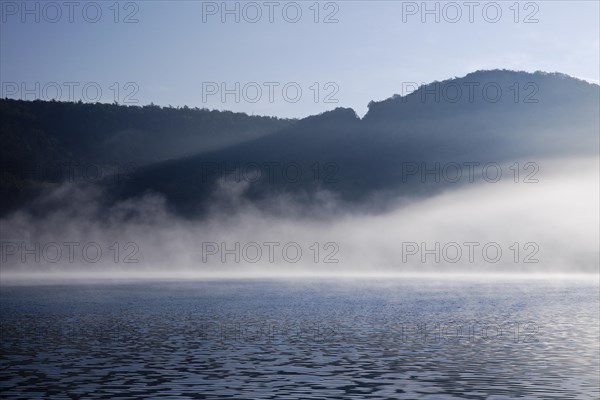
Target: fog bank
<point x="548" y="227"/>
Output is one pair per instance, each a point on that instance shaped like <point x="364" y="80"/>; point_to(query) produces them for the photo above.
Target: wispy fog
<point x="550" y="227"/>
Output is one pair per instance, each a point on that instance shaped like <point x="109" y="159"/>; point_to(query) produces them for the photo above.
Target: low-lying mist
<point x="505" y="227"/>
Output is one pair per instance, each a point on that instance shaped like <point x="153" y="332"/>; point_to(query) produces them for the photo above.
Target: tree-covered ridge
<point x="182" y="153"/>
<point x="109" y="133"/>
<point x="40" y="137"/>
<point x="537" y="116"/>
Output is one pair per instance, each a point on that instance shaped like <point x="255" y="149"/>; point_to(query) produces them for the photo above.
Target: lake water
<point x="413" y="339"/>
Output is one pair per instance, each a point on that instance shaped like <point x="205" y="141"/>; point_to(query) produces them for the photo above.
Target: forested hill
<point x="40" y="138"/>
<point x="487" y="116"/>
<point x="508" y="116"/>
<point x="111" y="133"/>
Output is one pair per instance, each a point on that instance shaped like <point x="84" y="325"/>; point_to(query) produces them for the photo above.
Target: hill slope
<point x="499" y="116"/>
<point x="47" y="142"/>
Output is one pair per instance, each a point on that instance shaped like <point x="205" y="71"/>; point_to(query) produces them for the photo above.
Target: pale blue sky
<point x="367" y="55"/>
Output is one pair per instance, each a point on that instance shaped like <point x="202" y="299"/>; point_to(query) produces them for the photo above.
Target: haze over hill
<point x="51" y="142"/>
<point x="448" y="163"/>
<point x="485" y="117"/>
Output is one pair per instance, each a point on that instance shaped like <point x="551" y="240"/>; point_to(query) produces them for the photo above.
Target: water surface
<point x="413" y="339"/>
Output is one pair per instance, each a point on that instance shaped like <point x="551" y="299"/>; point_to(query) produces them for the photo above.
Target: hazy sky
<point x="180" y="52"/>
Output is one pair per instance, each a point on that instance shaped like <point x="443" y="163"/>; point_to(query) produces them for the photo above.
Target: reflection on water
<point x="304" y="339"/>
